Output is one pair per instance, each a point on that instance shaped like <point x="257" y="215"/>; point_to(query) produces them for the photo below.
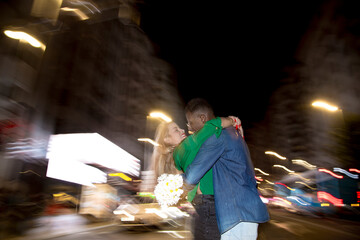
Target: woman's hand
<point x="234" y="122"/>
<point x="237" y="125"/>
<point x="226" y="122"/>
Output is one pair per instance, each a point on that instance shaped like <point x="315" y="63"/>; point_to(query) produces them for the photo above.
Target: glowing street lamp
<point x="20" y="35"/>
<point x="325" y="105"/>
<point x="161" y="116"/>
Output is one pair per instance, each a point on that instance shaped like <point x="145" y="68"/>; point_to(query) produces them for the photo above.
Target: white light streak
<point x="324" y="105"/>
<point x="78" y="12"/>
<point x="303" y="163"/>
<point x="25" y="37"/>
<point x="157" y="212"/>
<point x="346" y="173"/>
<point x="275" y="154"/>
<point x="128" y="218"/>
<point x="299" y="200"/>
<point x="264" y="200"/>
<point x="283" y="167"/>
<point x="258" y="169"/>
<point x="161" y="116"/>
<point x="173" y="234"/>
<point x="149" y="141"/>
<point x="268" y="181"/>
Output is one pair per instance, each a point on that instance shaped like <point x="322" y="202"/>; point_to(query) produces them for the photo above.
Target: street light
<point x="325" y="105"/>
<point x="161" y="116"/>
<point x="20" y="35"/>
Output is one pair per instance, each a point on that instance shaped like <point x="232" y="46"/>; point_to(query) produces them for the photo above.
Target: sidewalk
<point x="48" y="227"/>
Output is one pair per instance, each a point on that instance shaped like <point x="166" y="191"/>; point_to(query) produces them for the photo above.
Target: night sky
<point x="232" y="55"/>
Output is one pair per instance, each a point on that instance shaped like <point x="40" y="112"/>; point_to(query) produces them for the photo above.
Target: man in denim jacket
<point x="239" y="208"/>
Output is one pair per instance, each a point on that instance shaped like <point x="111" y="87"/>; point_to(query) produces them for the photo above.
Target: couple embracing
<point x="215" y="159"/>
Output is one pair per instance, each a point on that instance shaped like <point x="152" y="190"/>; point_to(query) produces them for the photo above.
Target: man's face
<point x="195" y="121"/>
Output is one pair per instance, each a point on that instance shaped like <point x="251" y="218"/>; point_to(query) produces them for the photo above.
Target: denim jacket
<point x="236" y="196"/>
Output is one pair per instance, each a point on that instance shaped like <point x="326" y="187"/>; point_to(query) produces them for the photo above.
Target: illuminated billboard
<point x="70" y="154"/>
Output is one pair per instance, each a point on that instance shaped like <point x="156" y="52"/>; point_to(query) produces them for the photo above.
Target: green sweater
<point x="186" y="152"/>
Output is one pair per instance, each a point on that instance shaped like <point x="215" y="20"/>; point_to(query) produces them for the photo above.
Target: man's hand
<point x="187" y="187"/>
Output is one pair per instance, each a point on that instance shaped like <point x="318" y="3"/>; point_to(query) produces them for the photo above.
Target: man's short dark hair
<point x="199" y="104"/>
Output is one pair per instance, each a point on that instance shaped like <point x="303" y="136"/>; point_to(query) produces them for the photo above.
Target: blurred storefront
<point x="98" y="73"/>
<point x="94" y="71"/>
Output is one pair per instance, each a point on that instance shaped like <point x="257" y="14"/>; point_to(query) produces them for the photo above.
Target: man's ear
<point x="203" y="118"/>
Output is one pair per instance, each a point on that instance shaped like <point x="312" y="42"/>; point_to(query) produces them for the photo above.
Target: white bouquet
<point x="167" y="191"/>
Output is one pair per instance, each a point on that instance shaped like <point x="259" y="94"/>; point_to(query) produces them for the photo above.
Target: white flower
<point x="168" y="190"/>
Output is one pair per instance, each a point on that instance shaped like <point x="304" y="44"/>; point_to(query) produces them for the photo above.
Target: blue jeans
<point x="243" y="231"/>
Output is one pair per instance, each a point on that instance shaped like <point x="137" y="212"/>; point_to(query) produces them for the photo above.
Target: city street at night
<point x="283" y="225"/>
<point x="164" y="119"/>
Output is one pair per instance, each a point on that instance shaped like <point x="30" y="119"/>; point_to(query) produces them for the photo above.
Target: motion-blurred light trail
<point x="261" y="171"/>
<point x="283" y="200"/>
<point x="149" y="141"/>
<point x="343" y="171"/>
<point x="279" y="183"/>
<point x="268" y="181"/>
<point x="303" y="163"/>
<point x="305" y="185"/>
<point x="330" y="172"/>
<point x="161" y="116"/>
<point x="77" y="11"/>
<point x="328" y="197"/>
<point x="283" y="167"/>
<point x="354" y="170"/>
<point x="299" y="200"/>
<point x="20" y="35"/>
<point x="325" y="105"/>
<point x="275" y="154"/>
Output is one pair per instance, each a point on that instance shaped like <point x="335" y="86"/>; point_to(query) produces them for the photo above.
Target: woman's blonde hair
<point x="162" y="160"/>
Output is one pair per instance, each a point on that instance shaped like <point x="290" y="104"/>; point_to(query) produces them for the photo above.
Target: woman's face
<point x="175" y="135"/>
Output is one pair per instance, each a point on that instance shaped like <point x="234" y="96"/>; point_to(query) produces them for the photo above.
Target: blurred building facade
<point x="99" y="73"/>
<point x="324" y="70"/>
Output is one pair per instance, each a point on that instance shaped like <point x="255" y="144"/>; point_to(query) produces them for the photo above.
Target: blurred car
<point x="146" y="212"/>
<point x="65" y="199"/>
